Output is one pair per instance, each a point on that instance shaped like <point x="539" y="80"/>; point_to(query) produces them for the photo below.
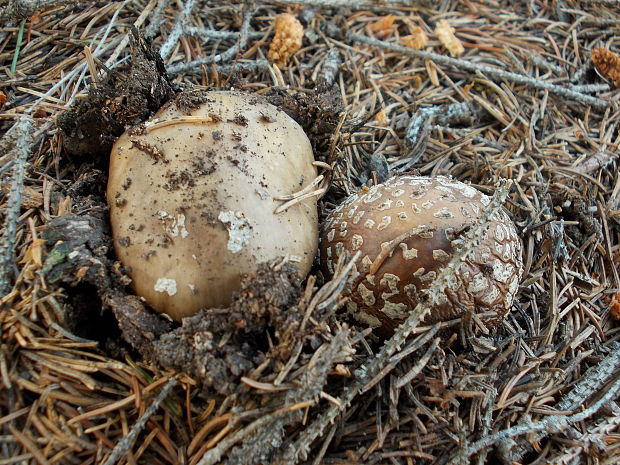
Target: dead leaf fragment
<point x="35" y="253"/>
<point x="445" y="34"/>
<point x="287" y="40"/>
<point x="417" y="40"/>
<point x="383" y="27"/>
<point x="381" y="118"/>
<point x="607" y="63"/>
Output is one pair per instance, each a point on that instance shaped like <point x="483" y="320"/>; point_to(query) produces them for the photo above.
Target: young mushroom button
<point x="407" y="230"/>
<point x="191" y="195"/>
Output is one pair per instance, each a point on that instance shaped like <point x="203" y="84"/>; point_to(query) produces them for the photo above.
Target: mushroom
<point x="191" y="195"/>
<point x="407" y="230"/>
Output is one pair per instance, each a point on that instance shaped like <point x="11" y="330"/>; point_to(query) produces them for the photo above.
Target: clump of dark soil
<point x="123" y="98"/>
<point x="219" y="345"/>
<point x="316" y="112"/>
<point x="216" y="346"/>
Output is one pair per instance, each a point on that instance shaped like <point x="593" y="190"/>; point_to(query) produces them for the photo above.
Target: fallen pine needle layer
<point x="517" y="99"/>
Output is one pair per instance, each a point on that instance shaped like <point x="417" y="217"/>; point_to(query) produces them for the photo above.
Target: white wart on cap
<point x="407" y="229"/>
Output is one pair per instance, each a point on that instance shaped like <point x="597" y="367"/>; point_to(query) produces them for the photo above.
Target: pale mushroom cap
<point x="431" y="213"/>
<point x="192" y="199"/>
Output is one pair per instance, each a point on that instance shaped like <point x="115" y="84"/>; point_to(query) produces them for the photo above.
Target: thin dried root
<point x="297" y="197"/>
<point x="290" y="203"/>
<point x="306" y="189"/>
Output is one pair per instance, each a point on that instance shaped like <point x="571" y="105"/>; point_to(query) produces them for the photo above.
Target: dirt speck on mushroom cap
<point x="406" y="230"/>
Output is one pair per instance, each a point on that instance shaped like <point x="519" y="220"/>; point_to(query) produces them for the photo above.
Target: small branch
<point x="593" y="439"/>
<point x="300" y="196"/>
<point x="256" y="65"/>
<point x="316" y="193"/>
<point x="595" y="162"/>
<point x="303" y="191"/>
<point x="267" y="432"/>
<point x="177" y="30"/>
<point x="551" y="424"/>
<point x="542" y="63"/>
<point x="591" y="88"/>
<point x="418" y="124"/>
<point x="407" y="377"/>
<point x="331" y="66"/>
<point x="468" y="113"/>
<point x="357" y="5"/>
<point x="124" y="444"/>
<point x="24" y="9"/>
<point x="496" y="73"/>
<point x="590" y="383"/>
<point x="218" y="35"/>
<point x="156" y="19"/>
<point x="592" y="380"/>
<point x="18" y="142"/>
<point x="221" y="57"/>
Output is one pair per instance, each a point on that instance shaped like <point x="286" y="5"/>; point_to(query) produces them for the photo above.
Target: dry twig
<point x="16" y="144"/>
<point x="488" y="70"/>
<point x="125" y="444"/>
<point x="549" y="425"/>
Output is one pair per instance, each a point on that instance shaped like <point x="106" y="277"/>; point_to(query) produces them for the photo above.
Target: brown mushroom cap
<point x="407" y="230"/>
<point x="191" y="195"/>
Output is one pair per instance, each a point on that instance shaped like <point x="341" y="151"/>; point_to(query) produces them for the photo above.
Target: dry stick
<point x="359" y="4"/>
<point x="408" y="350"/>
<point x="214" y="455"/>
<point x="426" y="117"/>
<point x="318" y="193"/>
<point x="78" y="69"/>
<point x="331" y="66"/>
<point x="20" y="139"/>
<point x="591" y="382"/>
<point x="591" y="88"/>
<point x="156" y="19"/>
<point x="254" y="65"/>
<point x="488" y="70"/>
<point x="542" y="63"/>
<point x="227" y="55"/>
<point x="551" y="424"/>
<point x="124" y="444"/>
<point x="595" y="437"/>
<point x="24" y="9"/>
<point x="407" y="377"/>
<point x="272" y="425"/>
<point x="220" y="35"/>
<point x="298" y="449"/>
<point x="179" y="24"/>
<point x="595" y="162"/>
<point x="301" y="192"/>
